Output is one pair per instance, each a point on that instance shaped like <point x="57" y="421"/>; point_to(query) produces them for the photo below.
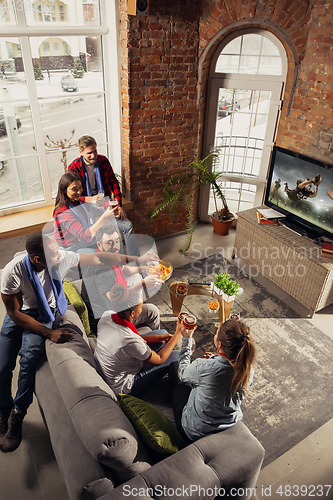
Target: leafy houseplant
<point x="226" y="284"/>
<point x="181" y="187"/>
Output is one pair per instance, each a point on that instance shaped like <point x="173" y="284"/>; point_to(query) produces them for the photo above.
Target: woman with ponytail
<point x="218" y="383"/>
<point x="127" y="361"/>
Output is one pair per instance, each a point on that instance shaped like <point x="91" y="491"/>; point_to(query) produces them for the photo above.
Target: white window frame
<point x="272" y="83"/>
<point x="109" y="32"/>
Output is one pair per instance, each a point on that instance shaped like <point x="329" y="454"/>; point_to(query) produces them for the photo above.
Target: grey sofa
<point x="101" y="456"/>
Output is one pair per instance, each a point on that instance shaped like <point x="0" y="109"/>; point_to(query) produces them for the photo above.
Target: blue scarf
<point x="81" y="213"/>
<point x="99" y="184"/>
<point x="44" y="310"/>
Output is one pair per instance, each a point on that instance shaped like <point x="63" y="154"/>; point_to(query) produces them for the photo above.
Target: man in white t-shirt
<point x="31" y="289"/>
<point x="120" y="355"/>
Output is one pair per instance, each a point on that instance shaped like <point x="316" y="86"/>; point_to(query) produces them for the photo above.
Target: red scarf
<point x="128" y="324"/>
<point x="124" y="322"/>
<point x="120" y="277"/>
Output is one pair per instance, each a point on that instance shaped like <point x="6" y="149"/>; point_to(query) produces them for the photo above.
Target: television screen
<point x="302" y="189"/>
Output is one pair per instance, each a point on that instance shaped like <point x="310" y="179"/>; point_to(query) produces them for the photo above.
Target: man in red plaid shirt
<point x="97" y="175"/>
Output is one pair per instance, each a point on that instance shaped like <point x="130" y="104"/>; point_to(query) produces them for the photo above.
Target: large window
<point x="55" y="86"/>
<point x="246" y="88"/>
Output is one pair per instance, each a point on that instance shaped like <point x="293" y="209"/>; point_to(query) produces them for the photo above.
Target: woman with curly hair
<point x="218" y="383"/>
<point x="127" y="361"/>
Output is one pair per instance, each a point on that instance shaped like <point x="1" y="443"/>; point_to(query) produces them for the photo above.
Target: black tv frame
<point x="294" y="222"/>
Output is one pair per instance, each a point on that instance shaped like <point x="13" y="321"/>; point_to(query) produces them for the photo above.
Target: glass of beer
<point x="181" y="316"/>
<point x="114" y="204"/>
<point x="235" y="316"/>
<point x="189" y="321"/>
<point x="100" y="197"/>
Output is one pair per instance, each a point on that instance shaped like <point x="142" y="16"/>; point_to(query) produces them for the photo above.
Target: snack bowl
<point x="182" y="289"/>
<point x="213" y="306"/>
<point x="163" y="269"/>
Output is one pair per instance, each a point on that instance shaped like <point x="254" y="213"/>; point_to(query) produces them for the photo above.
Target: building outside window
<point x="62" y="12"/>
<point x="40" y="119"/>
<point x="46" y="49"/>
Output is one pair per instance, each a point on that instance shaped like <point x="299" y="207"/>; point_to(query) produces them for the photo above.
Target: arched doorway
<point x="246" y="85"/>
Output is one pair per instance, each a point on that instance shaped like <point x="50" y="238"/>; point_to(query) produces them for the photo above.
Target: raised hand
<point x="152" y="280"/>
<point x="144" y="259"/>
<point x="207" y="355"/>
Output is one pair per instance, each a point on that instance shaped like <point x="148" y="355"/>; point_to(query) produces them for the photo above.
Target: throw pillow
<point x="75" y="298"/>
<point x="154" y="428"/>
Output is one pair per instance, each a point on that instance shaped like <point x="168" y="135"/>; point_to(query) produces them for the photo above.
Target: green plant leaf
<point x="226" y="284"/>
<point x="180" y="187"/>
<point x="189" y="225"/>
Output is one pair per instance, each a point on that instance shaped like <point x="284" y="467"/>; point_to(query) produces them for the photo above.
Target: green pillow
<point x="75" y="298"/>
<point x="154" y="428"/>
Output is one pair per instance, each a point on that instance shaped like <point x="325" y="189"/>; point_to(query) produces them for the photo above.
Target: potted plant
<point x="181" y="187"/>
<point x="225" y="286"/>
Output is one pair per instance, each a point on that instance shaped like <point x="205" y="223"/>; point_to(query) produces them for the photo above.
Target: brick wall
<point x="166" y="60"/>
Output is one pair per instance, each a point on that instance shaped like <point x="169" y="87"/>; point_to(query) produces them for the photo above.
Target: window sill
<point x="32" y="221"/>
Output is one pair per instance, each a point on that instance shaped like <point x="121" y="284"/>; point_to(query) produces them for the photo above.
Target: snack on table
<point x="213" y="305"/>
<point x="165" y="271"/>
<point x="181" y="289"/>
<point x="160" y="270"/>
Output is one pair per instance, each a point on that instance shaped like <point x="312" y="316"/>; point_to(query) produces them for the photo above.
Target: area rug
<point x="291" y="395"/>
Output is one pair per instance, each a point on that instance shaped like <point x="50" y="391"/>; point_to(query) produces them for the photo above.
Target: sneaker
<point x="3" y="426"/>
<point x="13" y="436"/>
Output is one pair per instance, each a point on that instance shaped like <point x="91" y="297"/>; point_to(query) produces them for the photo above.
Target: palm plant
<point x="181" y="187"/>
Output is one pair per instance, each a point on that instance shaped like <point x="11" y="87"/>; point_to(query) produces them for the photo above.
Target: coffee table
<point x="199" y="307"/>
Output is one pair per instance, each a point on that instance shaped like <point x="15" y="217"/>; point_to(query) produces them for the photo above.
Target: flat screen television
<point x="297" y="187"/>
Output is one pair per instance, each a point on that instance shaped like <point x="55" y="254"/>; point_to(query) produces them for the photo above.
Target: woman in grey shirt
<point x="217" y="384"/>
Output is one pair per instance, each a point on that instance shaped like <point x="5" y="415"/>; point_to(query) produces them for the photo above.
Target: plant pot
<point x="228" y="298"/>
<point x="222" y="227"/>
<point x="227" y="304"/>
<point x="217" y="290"/>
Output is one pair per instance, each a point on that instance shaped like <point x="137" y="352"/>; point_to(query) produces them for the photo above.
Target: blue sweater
<point x="211" y="406"/>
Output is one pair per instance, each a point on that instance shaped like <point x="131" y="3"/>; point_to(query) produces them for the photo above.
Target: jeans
<point x="150" y="316"/>
<point x="150" y="374"/>
<point x="179" y="395"/>
<point x="14" y="341"/>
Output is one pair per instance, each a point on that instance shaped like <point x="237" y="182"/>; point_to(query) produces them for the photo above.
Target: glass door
<point x="242" y="133"/>
<point x="244" y="100"/>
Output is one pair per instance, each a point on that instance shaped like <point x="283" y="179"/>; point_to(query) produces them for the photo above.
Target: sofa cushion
<point x="154" y="428"/>
<point x="75" y="298"/>
<point x="96" y="415"/>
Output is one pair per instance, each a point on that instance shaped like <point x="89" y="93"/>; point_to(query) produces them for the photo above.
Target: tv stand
<point x="291" y="261"/>
<point x="297" y="228"/>
<point x="292" y="227"/>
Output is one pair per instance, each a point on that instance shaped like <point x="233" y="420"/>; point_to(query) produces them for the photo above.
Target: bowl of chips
<point x="213" y="306"/>
<point x="162" y="269"/>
